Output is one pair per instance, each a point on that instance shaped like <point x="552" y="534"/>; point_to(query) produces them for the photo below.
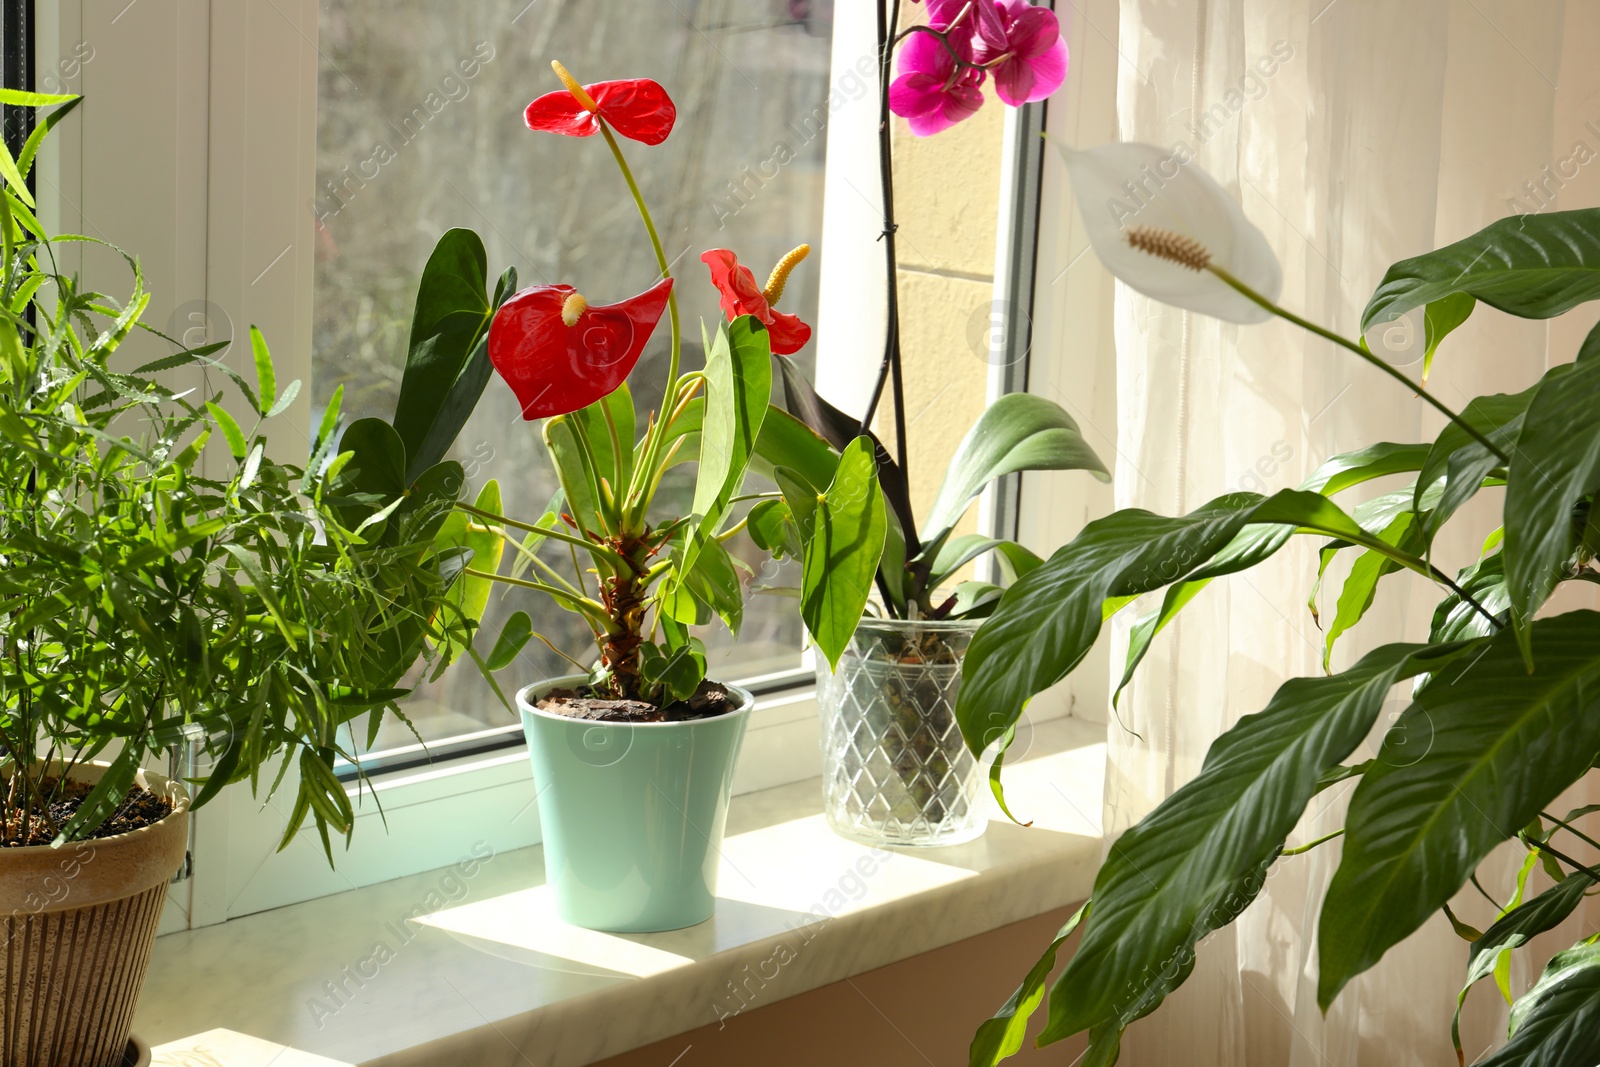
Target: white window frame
<point x="197" y="151"/>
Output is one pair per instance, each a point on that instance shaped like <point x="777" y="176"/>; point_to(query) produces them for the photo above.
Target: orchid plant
<point x="1506" y="695"/>
<point x="641" y="579"/>
<point x="943" y="65"/>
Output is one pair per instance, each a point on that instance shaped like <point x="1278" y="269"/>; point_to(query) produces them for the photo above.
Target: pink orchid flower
<point x="931" y="93"/>
<point x="1022" y="47"/>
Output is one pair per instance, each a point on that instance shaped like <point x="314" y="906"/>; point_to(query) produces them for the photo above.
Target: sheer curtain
<point x="1355" y="133"/>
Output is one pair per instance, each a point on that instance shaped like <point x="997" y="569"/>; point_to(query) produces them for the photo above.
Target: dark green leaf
<point x="1485" y="582"/>
<point x="1440" y="319"/>
<point x="1557" y="1022"/>
<point x="1194" y="863"/>
<point x="1534" y="266"/>
<point x="1556" y="463"/>
<point x="450" y="318"/>
<point x="1482" y="750"/>
<point x="1002" y="1035"/>
<point x="516" y="633"/>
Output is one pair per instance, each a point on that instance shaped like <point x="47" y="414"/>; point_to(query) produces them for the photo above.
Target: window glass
<point x="420" y="129"/>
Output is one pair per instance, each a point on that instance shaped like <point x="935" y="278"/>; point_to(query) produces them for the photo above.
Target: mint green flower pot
<point x="632" y="814"/>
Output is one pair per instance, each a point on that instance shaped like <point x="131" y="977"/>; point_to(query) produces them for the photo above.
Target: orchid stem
<point x="653" y="440"/>
<point x="1284" y="313"/>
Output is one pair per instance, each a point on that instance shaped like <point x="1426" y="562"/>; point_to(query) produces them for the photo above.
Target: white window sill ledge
<point x="486" y="975"/>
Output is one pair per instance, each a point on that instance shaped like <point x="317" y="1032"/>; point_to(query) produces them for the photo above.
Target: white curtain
<point x="1354" y="133"/>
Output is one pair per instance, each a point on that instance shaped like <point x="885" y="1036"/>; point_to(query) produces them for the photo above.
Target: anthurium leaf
<point x="597" y="427"/>
<point x="1002" y="1035"/>
<point x="574" y="470"/>
<point x="772" y="528"/>
<point x="843" y="551"/>
<point x="738" y="389"/>
<point x="714" y="582"/>
<point x="514" y="635"/>
<point x="1480" y="752"/>
<point x="1047" y="622"/>
<point x="1440" y="318"/>
<point x="1194" y="863"/>
<point x="1557" y="1022"/>
<point x="838" y="430"/>
<point x="786" y="442"/>
<point x="450" y="317"/>
<point x="1555" y="464"/>
<point x="1485" y="582"/>
<point x="1534" y="266"/>
<point x="1018" y="432"/>
<point x="460" y="530"/>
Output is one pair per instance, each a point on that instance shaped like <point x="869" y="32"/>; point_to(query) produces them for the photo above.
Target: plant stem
<point x="1304" y="324"/>
<point x="583" y="605"/>
<point x="609" y="554"/>
<point x="888" y="19"/>
<point x="1309" y="845"/>
<point x="1563" y="857"/>
<point x="652" y="441"/>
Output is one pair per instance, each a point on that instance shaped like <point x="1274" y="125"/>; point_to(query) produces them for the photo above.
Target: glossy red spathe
<point x="637" y="108"/>
<point x="554" y="368"/>
<point x="742" y="296"/>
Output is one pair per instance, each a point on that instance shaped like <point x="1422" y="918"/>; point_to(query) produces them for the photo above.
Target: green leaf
<point x="287" y="397"/>
<point x="712" y="581"/>
<point x="1557" y="1022"/>
<point x="615" y="464"/>
<point x="1047" y="622"/>
<point x="1516" y="928"/>
<point x="516" y="633"/>
<point x="574" y="470"/>
<point x="30" y="148"/>
<point x="266" y="379"/>
<point x="975" y="600"/>
<point x="1485" y="582"/>
<point x="842" y="551"/>
<point x="13" y="178"/>
<point x="1018" y="432"/>
<point x="22" y="98"/>
<point x="374" y="476"/>
<point x="1555" y="464"/>
<point x="106" y="795"/>
<point x="230" y="430"/>
<point x="771" y="526"/>
<point x="1464" y="461"/>
<point x="1002" y="1035"/>
<point x="784" y="441"/>
<point x="1440" y="318"/>
<point x="738" y="388"/>
<point x="1534" y="266"/>
<point x="450" y="318"/>
<point x="1194" y="863"/>
<point x="1361" y="586"/>
<point x="471" y="593"/>
<point x="1256" y="544"/>
<point x="1478" y="754"/>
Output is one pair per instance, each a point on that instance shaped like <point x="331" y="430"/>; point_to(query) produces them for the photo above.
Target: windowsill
<point x="486" y="968"/>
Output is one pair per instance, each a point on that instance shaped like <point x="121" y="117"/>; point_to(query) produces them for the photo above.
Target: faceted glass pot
<point x="895" y="770"/>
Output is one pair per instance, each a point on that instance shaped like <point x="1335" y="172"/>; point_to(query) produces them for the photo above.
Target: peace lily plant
<point x="1509" y="696"/>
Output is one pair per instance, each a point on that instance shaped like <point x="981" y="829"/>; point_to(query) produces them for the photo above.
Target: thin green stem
<point x="609" y="554"/>
<point x="589" y="609"/>
<point x="1309" y="845"/>
<point x="1558" y="854"/>
<point x="1343" y="342"/>
<point x="1579" y="834"/>
<point x="653" y="442"/>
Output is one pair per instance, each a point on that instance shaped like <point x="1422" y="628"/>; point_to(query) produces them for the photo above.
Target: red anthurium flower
<point x="559" y="355"/>
<point x="637" y="108"/>
<point x="740" y="296"/>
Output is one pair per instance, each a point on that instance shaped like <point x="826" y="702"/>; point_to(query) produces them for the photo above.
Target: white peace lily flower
<point x="1164" y="226"/>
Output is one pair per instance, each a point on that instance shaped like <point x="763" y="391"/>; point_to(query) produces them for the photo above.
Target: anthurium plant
<point x="1505" y="694"/>
<point x="943" y="66"/>
<point x="639" y="578"/>
<point x="165" y="580"/>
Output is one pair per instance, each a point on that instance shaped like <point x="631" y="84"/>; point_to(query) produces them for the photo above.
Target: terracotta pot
<point x="78" y="924"/>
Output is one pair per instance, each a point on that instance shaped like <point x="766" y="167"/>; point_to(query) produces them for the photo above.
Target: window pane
<point x="420" y="129"/>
